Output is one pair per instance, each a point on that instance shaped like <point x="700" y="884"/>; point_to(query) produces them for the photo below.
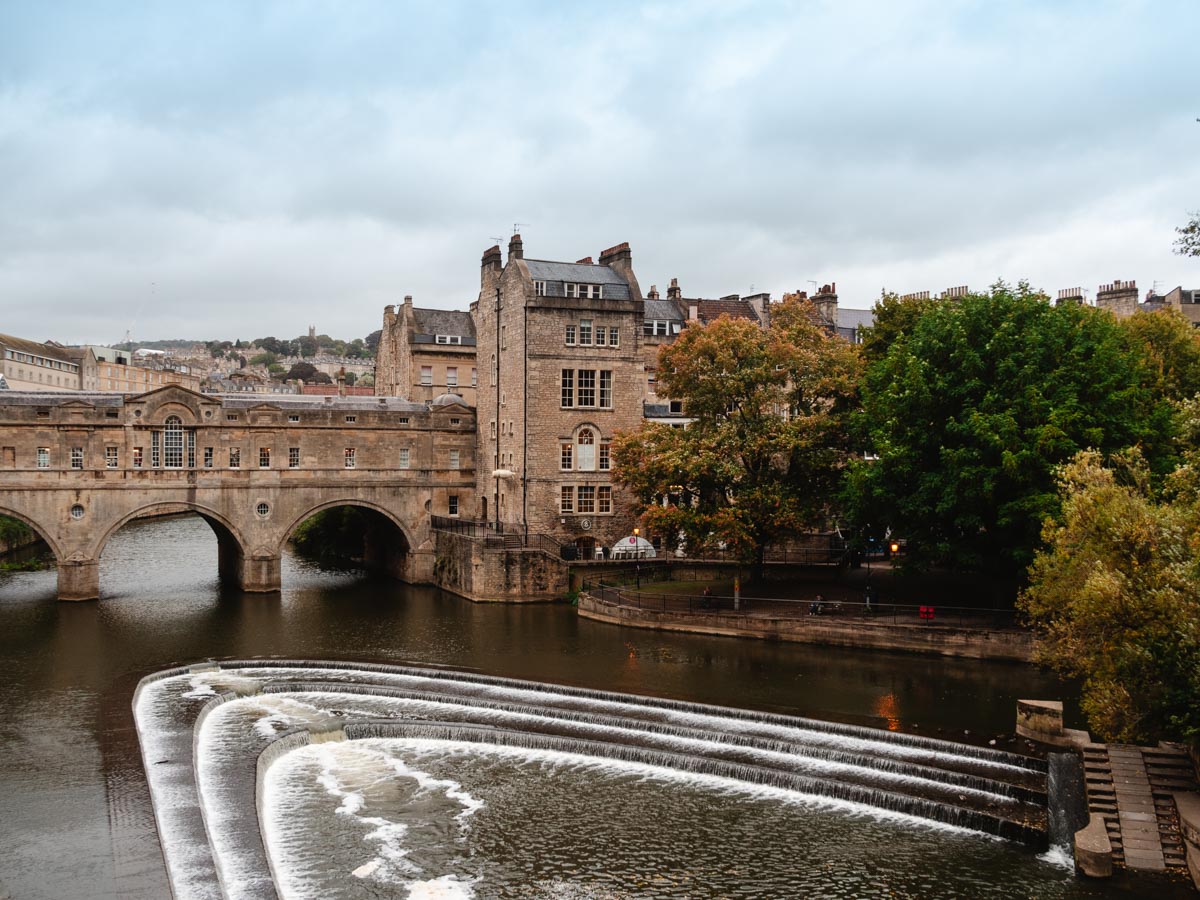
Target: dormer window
<point x="539" y="289"/>
<point x="583" y="291"/>
<point x="449" y="339"/>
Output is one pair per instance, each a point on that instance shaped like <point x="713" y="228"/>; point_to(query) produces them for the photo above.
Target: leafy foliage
<point x="971" y="411"/>
<point x="1116" y="594"/>
<point x="894" y="317"/>
<point x="1188" y="242"/>
<point x="767" y="441"/>
<point x="1171" y="346"/>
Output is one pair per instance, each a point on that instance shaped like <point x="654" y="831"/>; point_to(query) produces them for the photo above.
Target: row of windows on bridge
<point x="168" y="455"/>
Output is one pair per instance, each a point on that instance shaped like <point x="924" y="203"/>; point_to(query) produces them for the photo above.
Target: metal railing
<point x="625" y="589"/>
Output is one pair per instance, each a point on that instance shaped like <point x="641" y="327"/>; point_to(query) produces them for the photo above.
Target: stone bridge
<point x="76" y="467"/>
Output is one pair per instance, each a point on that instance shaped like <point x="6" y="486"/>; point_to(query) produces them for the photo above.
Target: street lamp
<point x="637" y="569"/>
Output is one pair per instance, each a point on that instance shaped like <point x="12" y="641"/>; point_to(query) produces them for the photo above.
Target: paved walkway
<point x="1131" y="788"/>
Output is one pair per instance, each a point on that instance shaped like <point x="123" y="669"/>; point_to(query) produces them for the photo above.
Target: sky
<point x="218" y="170"/>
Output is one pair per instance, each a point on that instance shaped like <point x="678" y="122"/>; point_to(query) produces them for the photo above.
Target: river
<point x="77" y="820"/>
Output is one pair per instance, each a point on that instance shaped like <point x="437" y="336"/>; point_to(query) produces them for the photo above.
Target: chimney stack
<point x="620" y="259"/>
<point x="673" y="292"/>
<point x="491" y="264"/>
<point x="516" y="248"/>
<point x="1070" y="295"/>
<point x="653" y="295"/>
<point x="826" y="302"/>
<point x="586" y="261"/>
<point x="1120" y="298"/>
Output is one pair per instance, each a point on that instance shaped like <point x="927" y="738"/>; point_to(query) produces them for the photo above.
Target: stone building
<point x="424" y="353"/>
<point x="1184" y="300"/>
<point x="559" y="347"/>
<point x="566" y="355"/>
<point x="33" y="366"/>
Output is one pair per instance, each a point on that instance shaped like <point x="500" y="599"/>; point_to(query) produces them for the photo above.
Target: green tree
<point x="264" y="359"/>
<point x="970" y="413"/>
<point x="1171" y="346"/>
<point x="894" y="317"/>
<point x="1188" y="242"/>
<point x="767" y="441"/>
<point x="304" y="371"/>
<point x="1116" y="596"/>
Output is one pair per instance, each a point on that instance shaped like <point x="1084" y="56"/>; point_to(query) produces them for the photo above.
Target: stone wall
<point x="937" y="640"/>
<point x="464" y="566"/>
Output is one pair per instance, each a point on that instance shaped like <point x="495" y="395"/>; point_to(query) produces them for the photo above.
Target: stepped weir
<point x="211" y="736"/>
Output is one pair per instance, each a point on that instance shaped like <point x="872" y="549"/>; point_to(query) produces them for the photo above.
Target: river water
<point x="77" y="820"/>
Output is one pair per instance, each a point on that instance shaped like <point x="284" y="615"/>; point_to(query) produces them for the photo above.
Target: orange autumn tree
<point x="763" y="454"/>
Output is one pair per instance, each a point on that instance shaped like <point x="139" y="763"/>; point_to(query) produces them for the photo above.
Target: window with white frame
<point x="585" y="393"/>
<point x="264" y="457"/>
<point x="43" y="457"/>
<point x="474" y="376"/>
<point x="585" y="332"/>
<point x="426" y="375"/>
<point x="566" y="499"/>
<point x="605" y="456"/>
<point x="449" y="339"/>
<point x="76" y="457"/>
<point x="583" y="291"/>
<point x="539" y="289"/>
<point x="293" y="457"/>
<point x="614" y="336"/>
<point x="451" y="376"/>
<point x="585" y="499"/>
<point x="605" y="389"/>
<point x="137" y="457"/>
<point x="585" y="458"/>
<point x="452" y="504"/>
<point x="601" y="335"/>
<point x="405" y="457"/>
<point x="570" y="336"/>
<point x="566" y="456"/>
<point x="110" y="457"/>
<point x="235" y="457"/>
<point x="568" y="388"/>
<point x="208" y="457"/>
<point x="350" y="457"/>
<point x="604" y="499"/>
<point x="173" y="443"/>
<point x="454" y="459"/>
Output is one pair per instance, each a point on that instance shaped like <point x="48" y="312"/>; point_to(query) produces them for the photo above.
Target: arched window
<point x="585" y="456"/>
<point x="173" y="443"/>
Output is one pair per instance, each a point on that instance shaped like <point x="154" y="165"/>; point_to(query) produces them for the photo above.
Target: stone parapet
<point x="932" y="640"/>
<point x="1093" y="850"/>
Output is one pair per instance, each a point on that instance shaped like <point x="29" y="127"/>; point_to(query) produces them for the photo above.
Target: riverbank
<point x="924" y="637"/>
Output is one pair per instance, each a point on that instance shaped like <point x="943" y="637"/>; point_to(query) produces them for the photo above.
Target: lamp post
<point x="637" y="567"/>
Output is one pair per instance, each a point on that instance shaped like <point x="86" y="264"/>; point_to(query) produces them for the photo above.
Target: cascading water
<point x="235" y="716"/>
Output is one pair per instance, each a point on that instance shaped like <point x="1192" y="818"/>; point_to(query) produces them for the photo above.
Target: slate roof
<point x="664" y="310"/>
<point x="58" y="398"/>
<point x="445" y="321"/>
<point x="47" y="351"/>
<point x="855" y="318"/>
<point x="556" y="273"/>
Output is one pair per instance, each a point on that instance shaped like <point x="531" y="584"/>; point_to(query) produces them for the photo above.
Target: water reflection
<point x="69" y="777"/>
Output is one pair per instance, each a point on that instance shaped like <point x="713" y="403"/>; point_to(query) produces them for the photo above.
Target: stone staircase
<point x="1132" y="789"/>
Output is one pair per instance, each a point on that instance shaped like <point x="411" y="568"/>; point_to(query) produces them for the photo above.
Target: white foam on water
<point x="797" y="760"/>
<point x="550" y="760"/>
<point x="448" y="887"/>
<point x="1059" y="856"/>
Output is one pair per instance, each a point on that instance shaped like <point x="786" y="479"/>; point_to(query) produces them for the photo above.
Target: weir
<point x="244" y="707"/>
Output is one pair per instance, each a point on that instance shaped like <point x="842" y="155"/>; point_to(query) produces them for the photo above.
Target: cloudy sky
<point x="219" y="170"/>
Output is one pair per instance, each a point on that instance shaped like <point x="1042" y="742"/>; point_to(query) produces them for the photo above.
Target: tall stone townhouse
<point x="565" y="355"/>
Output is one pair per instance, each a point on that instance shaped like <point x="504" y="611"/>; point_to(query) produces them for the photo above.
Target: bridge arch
<point x="381" y="552"/>
<point x="231" y="544"/>
<point x="46" y="534"/>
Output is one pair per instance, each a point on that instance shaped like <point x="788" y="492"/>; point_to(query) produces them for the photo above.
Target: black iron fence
<point x="635" y="588"/>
